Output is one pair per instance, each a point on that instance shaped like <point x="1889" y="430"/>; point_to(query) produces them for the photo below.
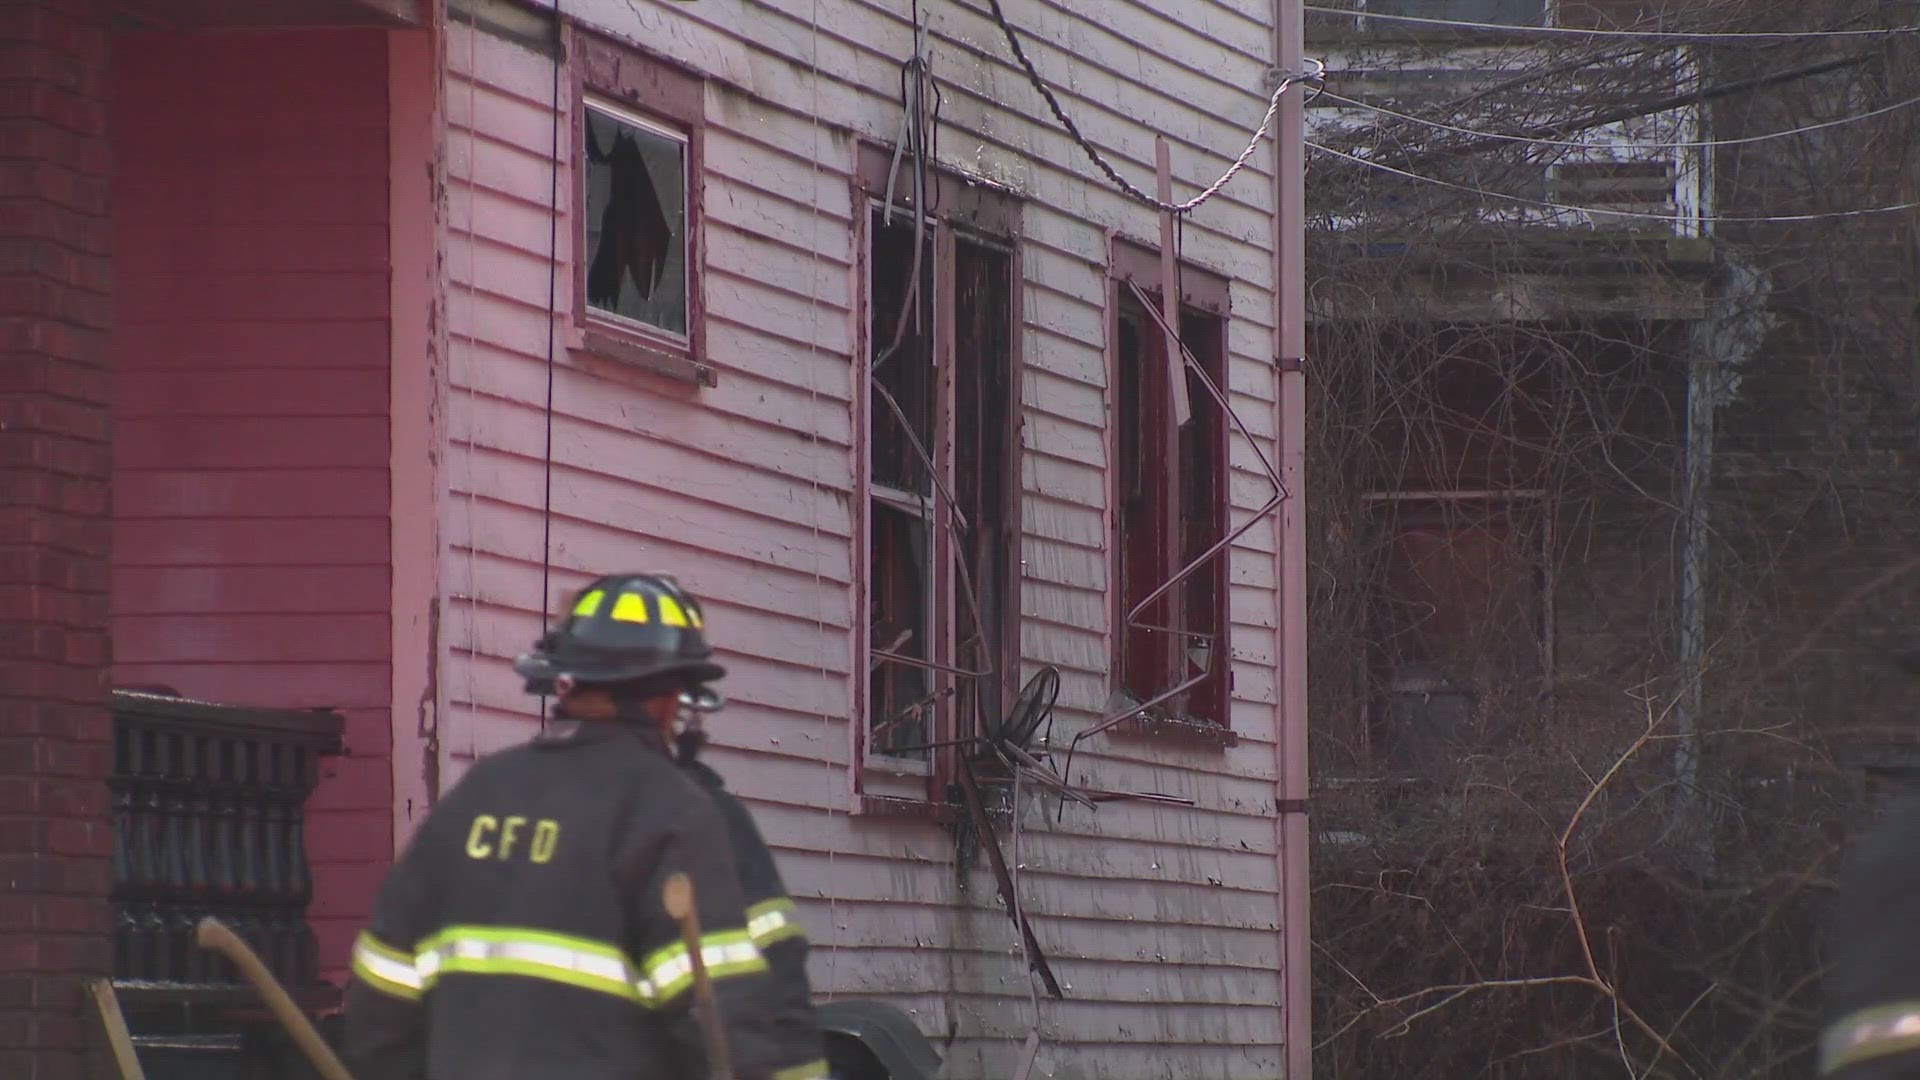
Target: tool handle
<point x="124" y="1055"/>
<point x="677" y="896"/>
<point x="216" y="936"/>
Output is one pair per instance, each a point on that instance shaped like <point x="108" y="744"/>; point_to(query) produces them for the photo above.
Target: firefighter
<point x="1872" y="1028"/>
<point x="523" y="933"/>
<point x="770" y="912"/>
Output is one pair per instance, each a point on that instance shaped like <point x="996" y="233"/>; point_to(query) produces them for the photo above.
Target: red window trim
<point x="980" y="209"/>
<point x="675" y="97"/>
<point x="1207" y="292"/>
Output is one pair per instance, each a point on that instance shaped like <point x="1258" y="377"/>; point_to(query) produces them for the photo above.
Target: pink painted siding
<point x="251" y="552"/>
<point x="1162" y="921"/>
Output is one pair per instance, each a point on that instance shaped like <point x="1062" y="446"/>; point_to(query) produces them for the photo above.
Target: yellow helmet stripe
<point x="631" y="607"/>
<point x="671" y="613"/>
<point x="589" y="604"/>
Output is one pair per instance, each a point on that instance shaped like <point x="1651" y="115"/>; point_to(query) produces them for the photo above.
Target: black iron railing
<point x="209" y="805"/>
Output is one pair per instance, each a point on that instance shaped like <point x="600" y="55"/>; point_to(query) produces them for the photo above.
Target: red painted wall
<point x="251" y="553"/>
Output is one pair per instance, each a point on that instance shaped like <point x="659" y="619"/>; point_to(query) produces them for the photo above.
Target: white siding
<point x="1162" y="920"/>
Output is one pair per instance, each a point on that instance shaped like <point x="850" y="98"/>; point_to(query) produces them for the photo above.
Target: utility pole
<point x="1290" y="346"/>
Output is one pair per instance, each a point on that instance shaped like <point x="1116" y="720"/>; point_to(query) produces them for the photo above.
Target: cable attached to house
<point x="1649" y="35"/>
<point x="1100" y="160"/>
<point x="553" y="312"/>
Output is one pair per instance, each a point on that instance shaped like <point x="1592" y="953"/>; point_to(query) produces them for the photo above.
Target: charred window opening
<point x="1460" y="623"/>
<point x="635" y="227"/>
<point x="907" y="373"/>
<point x="899" y="588"/>
<point x="942" y="518"/>
<point x="985" y="487"/>
<point x="1171" y="511"/>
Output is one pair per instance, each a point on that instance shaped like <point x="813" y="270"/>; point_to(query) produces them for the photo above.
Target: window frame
<point x="665" y="96"/>
<point x="989" y="215"/>
<point x="1204" y="292"/>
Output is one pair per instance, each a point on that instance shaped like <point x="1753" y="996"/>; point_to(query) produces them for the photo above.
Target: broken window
<point x="986" y="484"/>
<point x="1460" y="630"/>
<point x="942" y="494"/>
<point x="635" y="238"/>
<point x="1171" y="510"/>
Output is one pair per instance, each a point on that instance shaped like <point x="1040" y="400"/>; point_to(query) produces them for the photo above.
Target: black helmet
<point x="624" y="628"/>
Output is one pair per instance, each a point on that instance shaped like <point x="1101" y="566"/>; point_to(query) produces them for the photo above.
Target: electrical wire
<point x="1576" y="144"/>
<point x="1654" y="35"/>
<point x="1099" y="159"/>
<point x="1606" y="211"/>
<point x="553" y="307"/>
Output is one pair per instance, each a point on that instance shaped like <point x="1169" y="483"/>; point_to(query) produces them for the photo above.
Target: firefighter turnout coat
<point x="776" y="929"/>
<point x="1871" y="1029"/>
<point x="523" y="934"/>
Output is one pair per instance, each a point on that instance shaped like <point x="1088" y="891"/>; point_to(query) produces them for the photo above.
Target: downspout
<point x="1290" y="346"/>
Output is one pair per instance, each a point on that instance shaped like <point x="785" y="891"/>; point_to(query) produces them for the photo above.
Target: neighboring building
<point x="1580" y="469"/>
<point x="342" y="348"/>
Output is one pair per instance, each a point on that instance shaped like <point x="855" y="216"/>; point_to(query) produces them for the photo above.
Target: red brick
<point x="33" y="257"/>
<point x="51" y="1030"/>
<point x="16" y="1029"/>
<point x="49" y="757"/>
<point x="29" y="139"/>
<point x="23" y="836"/>
<point x="74" y="112"/>
<point x="73" y="504"/>
<point x="71" y="915"/>
<point x="78" y="572"/>
<point x="44" y="681"/>
<point x="51" y="525"/>
<point x="71" y="876"/>
<point x="54" y="453"/>
<point x="52" y="797"/>
<point x="80" y="420"/>
<point x="16" y="990"/>
<point x="65" y="720"/>
<point x="32" y="62"/>
<point x="23" y="295"/>
<point x="81" y="232"/>
<point x="80" y="610"/>
<point x="88" y="838"/>
<point x="53" y="182"/>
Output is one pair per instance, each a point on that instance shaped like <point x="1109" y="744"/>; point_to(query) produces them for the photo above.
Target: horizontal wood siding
<point x="250" y="548"/>
<point x="1162" y="921"/>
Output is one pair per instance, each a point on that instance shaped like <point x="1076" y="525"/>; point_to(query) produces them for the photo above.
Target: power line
<point x="1113" y="174"/>
<point x="1600" y="210"/>
<point x="1660" y="35"/>
<point x="1621" y="145"/>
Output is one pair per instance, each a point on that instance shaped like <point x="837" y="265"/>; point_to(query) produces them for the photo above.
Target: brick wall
<point x="55" y="305"/>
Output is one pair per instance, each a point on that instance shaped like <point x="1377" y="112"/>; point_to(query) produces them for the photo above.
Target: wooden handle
<point x="215" y="936"/>
<point x="118" y="1036"/>
<point x="677" y="897"/>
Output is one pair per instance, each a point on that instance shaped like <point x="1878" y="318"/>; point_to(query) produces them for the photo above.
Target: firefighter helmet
<point x="624" y="628"/>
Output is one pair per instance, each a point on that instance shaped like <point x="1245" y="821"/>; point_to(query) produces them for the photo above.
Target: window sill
<point x="897" y="766"/>
<point x="629" y="351"/>
<point x="890" y="806"/>
<point x="1178" y="730"/>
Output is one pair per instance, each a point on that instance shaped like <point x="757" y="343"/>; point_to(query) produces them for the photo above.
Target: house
<point x="1613" y="518"/>
<point x="348" y="336"/>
